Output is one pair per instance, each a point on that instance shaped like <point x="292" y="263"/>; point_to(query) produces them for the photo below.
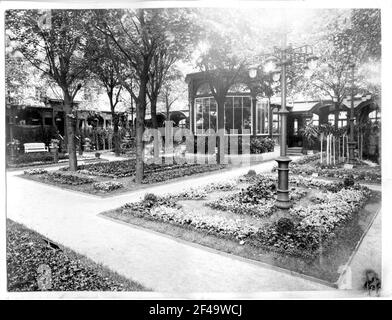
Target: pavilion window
<point x="205" y="115"/>
<point x="374" y="116"/>
<point x="295" y="126"/>
<point x="262" y="117"/>
<point x="342" y="120"/>
<point x="238" y="114"/>
<point x="315" y="120"/>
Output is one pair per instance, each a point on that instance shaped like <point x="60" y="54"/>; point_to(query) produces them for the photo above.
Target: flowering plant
<point x="35" y="171"/>
<point x="107" y="186"/>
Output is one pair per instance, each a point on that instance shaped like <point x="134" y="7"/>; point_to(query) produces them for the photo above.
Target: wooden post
<point x="321" y="156"/>
<point x="334" y="150"/>
<point x="327" y="149"/>
<point x="339" y="158"/>
<point x="347" y="148"/>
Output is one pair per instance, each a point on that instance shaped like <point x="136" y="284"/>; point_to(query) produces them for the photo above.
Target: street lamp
<point x="351" y="143"/>
<point x="283" y="58"/>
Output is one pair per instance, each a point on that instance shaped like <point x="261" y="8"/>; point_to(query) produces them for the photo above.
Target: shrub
<point x="261" y="145"/>
<point x="258" y="192"/>
<point x="150" y="199"/>
<point x="284" y="225"/>
<point x="107" y="186"/>
<point x="251" y="173"/>
<point x="349" y="181"/>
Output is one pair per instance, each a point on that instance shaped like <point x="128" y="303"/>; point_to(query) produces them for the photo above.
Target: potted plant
<point x="54" y="148"/>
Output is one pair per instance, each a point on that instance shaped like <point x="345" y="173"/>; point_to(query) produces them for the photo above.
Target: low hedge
<point x="26" y="158"/>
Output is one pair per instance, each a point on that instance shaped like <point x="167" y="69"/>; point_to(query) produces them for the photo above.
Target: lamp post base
<point x="282" y="199"/>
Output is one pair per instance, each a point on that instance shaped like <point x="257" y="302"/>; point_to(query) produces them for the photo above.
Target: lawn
<point x="314" y="238"/>
<point x="29" y="256"/>
<point x="108" y="178"/>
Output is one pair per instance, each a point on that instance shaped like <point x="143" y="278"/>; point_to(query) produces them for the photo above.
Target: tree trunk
<point x="221" y="126"/>
<point x="70" y="133"/>
<point x="167" y="107"/>
<point x="154" y="119"/>
<point x="140" y="114"/>
<point x="116" y="137"/>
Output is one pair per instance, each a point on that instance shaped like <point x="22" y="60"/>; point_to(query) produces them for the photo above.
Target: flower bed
<point x="257" y="199"/>
<point x="67" y="178"/>
<point x="166" y="209"/>
<point x="315" y="224"/>
<point x="26" y="252"/>
<point x="365" y="174"/>
<point x="311" y="224"/>
<point x="107" y="186"/>
<point x="153" y="172"/>
<point x="326" y="220"/>
<point x="176" y="171"/>
<point x="309" y="166"/>
<point x="35" y="171"/>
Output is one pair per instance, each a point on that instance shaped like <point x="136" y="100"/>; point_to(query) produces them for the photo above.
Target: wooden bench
<point x="35" y="147"/>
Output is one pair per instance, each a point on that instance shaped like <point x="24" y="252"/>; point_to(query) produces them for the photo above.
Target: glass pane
<point x="247" y="113"/>
<point x="343" y="115"/>
<point x="206" y="113"/>
<point x="331" y="118"/>
<point x="275" y="123"/>
<point x="199" y="116"/>
<point x="237" y="114"/>
<point x="204" y="89"/>
<point x="213" y="114"/>
<point x="262" y="117"/>
<point x="239" y="88"/>
<point x="295" y="126"/>
<point x="229" y="114"/>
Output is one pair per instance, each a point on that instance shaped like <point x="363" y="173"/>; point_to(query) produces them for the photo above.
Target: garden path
<point x="159" y="262"/>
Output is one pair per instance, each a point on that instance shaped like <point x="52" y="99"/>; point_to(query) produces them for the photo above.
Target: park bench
<point x="35" y="147"/>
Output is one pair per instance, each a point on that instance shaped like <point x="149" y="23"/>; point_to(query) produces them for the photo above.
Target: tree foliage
<point x="54" y="42"/>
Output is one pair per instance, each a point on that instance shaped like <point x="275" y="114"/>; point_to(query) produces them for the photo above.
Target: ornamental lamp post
<point x="283" y="58"/>
<point x="351" y="143"/>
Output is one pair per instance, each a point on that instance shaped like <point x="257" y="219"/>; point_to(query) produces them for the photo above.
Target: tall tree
<point x="180" y="42"/>
<point x="140" y="36"/>
<point x="53" y="42"/>
<point x="173" y="89"/>
<point x="102" y="66"/>
<point x="340" y="50"/>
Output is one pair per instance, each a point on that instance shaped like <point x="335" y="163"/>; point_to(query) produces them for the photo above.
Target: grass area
<point x="233" y="232"/>
<point x="69" y="271"/>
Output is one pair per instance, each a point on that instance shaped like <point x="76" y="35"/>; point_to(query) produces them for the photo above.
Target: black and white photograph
<point x="195" y="150"/>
